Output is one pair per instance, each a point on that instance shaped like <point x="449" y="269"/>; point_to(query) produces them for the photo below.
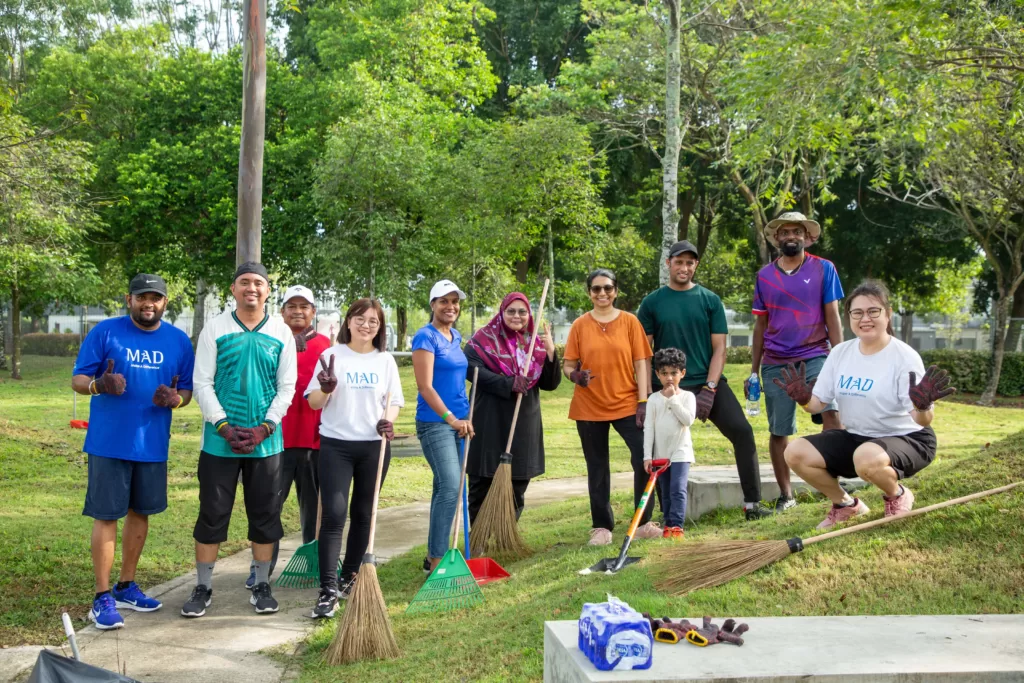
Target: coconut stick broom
<point x="703" y="565"/>
<point x="365" y="629"/>
<point x="495" y="530"/>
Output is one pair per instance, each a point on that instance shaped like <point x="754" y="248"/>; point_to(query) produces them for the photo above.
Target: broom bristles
<point x="365" y="629"/>
<point x="688" y="567"/>
<point x="495" y="530"/>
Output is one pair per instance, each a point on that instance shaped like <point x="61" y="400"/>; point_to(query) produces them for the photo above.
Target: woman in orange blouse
<point x="606" y="358"/>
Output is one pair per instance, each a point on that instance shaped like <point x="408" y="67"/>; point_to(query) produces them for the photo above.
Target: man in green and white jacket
<point x="244" y="380"/>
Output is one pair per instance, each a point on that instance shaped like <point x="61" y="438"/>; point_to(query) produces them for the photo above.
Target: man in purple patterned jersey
<point x="796" y="307"/>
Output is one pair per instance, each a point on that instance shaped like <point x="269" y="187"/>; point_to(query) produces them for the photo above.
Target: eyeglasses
<point x="520" y="312"/>
<point x="597" y="289"/>
<point x="363" y="322"/>
<point x="857" y="314"/>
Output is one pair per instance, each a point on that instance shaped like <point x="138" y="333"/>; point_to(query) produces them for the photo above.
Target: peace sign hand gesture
<point x="933" y="386"/>
<point x="326" y="377"/>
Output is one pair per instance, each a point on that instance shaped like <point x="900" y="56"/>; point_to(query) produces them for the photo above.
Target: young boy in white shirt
<point x="670" y="412"/>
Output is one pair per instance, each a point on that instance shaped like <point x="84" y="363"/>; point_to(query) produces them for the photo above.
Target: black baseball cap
<point x="144" y="283"/>
<point x="683" y="247"/>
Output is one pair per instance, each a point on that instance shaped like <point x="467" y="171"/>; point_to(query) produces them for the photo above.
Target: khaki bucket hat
<point x="812" y="227"/>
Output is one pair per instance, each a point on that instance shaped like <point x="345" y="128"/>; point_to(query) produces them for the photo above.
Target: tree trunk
<point x="3" y="337"/>
<point x="522" y="271"/>
<point x="402" y="327"/>
<point x="995" y="365"/>
<point x="472" y="291"/>
<point x="907" y="326"/>
<point x="1016" y="319"/>
<point x="673" y="140"/>
<point x="758" y="215"/>
<point x="16" y="331"/>
<point x="254" y="110"/>
<point x="551" y="269"/>
<point x="198" y="311"/>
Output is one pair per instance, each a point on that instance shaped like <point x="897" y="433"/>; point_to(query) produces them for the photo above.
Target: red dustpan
<point x="486" y="570"/>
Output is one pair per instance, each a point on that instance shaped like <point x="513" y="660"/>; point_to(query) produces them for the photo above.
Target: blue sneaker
<point x="251" y="581"/>
<point x="132" y="597"/>
<point x="104" y="613"/>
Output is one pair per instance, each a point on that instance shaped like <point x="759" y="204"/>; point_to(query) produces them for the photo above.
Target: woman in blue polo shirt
<point x="442" y="409"/>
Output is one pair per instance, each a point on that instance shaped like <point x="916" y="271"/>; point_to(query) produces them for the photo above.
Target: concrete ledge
<point x="710" y="488"/>
<point x="903" y="649"/>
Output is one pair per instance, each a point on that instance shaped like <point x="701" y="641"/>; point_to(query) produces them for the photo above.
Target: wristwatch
<point x="711" y="385"/>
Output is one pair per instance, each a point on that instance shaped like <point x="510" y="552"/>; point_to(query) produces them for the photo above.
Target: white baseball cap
<point x="301" y="292"/>
<point x="443" y="287"/>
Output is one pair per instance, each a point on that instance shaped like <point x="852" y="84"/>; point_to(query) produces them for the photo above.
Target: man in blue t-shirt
<point x="137" y="371"/>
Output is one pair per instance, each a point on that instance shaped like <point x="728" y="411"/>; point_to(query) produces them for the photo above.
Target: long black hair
<point x="875" y="289"/>
<point x="359" y="307"/>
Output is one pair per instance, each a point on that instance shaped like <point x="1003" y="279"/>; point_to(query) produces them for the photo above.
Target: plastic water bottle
<point x="754" y="400"/>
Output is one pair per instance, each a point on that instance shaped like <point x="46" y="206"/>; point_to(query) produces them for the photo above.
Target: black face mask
<point x="791" y="249"/>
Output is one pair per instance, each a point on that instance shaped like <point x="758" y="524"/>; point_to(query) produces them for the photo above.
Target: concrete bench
<point x="903" y="649"/>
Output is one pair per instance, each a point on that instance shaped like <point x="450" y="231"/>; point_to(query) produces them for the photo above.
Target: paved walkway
<point x="226" y="644"/>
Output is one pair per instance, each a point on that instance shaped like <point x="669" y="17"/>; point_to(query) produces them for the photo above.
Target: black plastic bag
<point x="54" y="668"/>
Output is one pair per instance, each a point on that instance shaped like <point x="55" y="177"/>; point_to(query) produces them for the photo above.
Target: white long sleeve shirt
<point x="667" y="427"/>
<point x="246" y="377"/>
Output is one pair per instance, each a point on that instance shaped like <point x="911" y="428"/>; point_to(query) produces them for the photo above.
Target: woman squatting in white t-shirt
<point x="355" y="378"/>
<point x="886" y="411"/>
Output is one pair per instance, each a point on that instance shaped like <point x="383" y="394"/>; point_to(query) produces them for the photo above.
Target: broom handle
<point x="376" y="488"/>
<point x="465" y="458"/>
<point x="529" y="361"/>
<point x="319" y="514"/>
<point x="912" y="513"/>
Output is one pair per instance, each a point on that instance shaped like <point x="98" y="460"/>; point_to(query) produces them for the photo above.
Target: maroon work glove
<point x="705" y="399"/>
<point x="520" y="385"/>
<point x="167" y="396"/>
<point x="794" y="383"/>
<point x="302" y="337"/>
<point x="386" y="429"/>
<point x="580" y="377"/>
<point x="248" y="438"/>
<point x="728" y="633"/>
<point x="110" y="382"/>
<point x="933" y="386"/>
<point x="641" y="414"/>
<point x="235" y="436"/>
<point x="326" y="377"/>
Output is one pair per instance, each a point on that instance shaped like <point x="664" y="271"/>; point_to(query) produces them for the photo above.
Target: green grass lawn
<point x="962" y="560"/>
<point x="46" y="564"/>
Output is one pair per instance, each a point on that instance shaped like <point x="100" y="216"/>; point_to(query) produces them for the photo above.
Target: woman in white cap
<point x="442" y="409"/>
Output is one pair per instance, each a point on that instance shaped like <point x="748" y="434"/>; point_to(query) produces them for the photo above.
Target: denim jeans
<point x="442" y="447"/>
<point x="672" y="486"/>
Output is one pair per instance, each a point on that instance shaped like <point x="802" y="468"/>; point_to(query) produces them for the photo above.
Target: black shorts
<point x="908" y="454"/>
<point x="261" y="487"/>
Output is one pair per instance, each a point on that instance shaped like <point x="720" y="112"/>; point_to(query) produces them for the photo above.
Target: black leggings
<point x="594" y="439"/>
<point x="343" y="463"/>
<point x="727" y="414"/>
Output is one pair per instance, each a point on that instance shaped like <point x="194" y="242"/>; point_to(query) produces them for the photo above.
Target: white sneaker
<point x="649" y="530"/>
<point x="600" y="537"/>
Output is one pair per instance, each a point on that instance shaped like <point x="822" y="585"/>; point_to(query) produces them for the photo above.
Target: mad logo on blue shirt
<point x="145" y="358"/>
<point x="855" y="385"/>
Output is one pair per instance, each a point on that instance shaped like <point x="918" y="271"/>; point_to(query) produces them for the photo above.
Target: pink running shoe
<point x="649" y="530"/>
<point x="600" y="537"/>
<point x="900" y="505"/>
<point x="838" y="515"/>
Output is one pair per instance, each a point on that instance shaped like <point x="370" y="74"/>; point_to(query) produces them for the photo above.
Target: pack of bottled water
<point x="614" y="636"/>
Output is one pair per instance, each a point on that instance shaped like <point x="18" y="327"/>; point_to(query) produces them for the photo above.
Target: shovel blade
<point x="607" y="565"/>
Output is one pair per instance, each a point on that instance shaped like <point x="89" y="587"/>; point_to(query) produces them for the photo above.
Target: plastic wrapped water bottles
<point x="614" y="636"/>
<point x="754" y="395"/>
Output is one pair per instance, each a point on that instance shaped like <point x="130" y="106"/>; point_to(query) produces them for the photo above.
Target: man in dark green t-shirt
<point x="686" y="316"/>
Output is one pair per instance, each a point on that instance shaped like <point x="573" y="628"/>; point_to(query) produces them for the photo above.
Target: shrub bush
<point x="738" y="354"/>
<point x="44" y="344"/>
<point x="968" y="370"/>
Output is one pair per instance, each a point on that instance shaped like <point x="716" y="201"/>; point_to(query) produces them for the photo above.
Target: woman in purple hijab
<point x="499" y="350"/>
